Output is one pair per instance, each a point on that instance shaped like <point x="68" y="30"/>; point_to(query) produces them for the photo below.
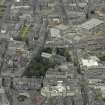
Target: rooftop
<point x="55" y="32"/>
<point x="92" y="61"/>
<point x="90" y="24"/>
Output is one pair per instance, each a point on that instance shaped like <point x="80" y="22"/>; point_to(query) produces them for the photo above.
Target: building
<point x="46" y="55"/>
<point x="92" y="26"/>
<point x="3" y="97"/>
<point x="26" y="83"/>
<point x="55" y="33"/>
<point x="92" y="67"/>
<point x="59" y="90"/>
<point x="63" y="71"/>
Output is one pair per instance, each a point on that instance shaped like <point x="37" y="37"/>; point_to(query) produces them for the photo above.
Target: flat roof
<point x="46" y="55"/>
<point x="80" y="4"/>
<point x="55" y="32"/>
<point x="89" y="62"/>
<point x="90" y="24"/>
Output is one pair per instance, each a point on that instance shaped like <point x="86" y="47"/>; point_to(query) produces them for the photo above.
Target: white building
<point x="55" y="33"/>
<point x="17" y="0"/>
<point x="46" y="55"/>
<point x="92" y="68"/>
<point x="58" y="90"/>
<point x="89" y="62"/>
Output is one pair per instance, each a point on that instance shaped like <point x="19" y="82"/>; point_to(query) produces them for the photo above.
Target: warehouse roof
<point x="89" y="62"/>
<point x="90" y="24"/>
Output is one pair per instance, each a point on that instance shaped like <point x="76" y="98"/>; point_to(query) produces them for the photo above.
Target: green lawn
<point x="24" y="31"/>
